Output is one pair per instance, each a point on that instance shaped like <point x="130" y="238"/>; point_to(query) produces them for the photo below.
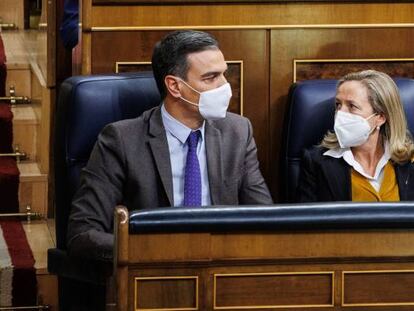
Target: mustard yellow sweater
<point x="362" y="191"/>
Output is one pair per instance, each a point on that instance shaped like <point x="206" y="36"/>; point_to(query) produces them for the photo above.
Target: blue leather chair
<point x="310" y="113"/>
<point x="85" y="105"/>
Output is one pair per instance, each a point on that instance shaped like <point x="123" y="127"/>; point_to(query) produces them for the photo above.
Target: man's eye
<point x="210" y="78"/>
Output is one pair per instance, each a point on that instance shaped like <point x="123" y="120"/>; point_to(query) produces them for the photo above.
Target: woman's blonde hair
<point x="384" y="98"/>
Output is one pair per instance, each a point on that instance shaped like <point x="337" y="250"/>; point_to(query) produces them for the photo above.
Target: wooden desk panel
<point x="258" y="14"/>
<point x="345" y="270"/>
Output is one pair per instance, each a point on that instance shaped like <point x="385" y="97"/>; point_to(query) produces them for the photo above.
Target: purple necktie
<point x="192" y="178"/>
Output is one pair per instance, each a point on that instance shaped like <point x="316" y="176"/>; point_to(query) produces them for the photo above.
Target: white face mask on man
<point x="352" y="130"/>
<point x="213" y="103"/>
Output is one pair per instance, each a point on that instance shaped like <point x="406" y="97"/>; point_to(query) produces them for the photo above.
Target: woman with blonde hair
<point x="369" y="156"/>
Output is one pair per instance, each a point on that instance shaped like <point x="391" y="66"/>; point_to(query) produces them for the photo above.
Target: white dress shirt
<point x="177" y="134"/>
<point x="348" y="156"/>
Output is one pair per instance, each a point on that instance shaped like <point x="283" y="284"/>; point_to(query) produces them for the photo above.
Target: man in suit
<point x="189" y="151"/>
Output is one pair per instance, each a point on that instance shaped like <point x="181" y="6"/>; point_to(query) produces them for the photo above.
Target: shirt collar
<point x="348" y="156"/>
<point x="176" y="128"/>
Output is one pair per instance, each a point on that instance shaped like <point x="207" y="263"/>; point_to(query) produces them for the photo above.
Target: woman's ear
<point x="381" y="119"/>
<point x="172" y="86"/>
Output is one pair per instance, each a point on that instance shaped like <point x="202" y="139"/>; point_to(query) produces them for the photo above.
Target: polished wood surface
<point x="40" y="238"/>
<point x="47" y="287"/>
<point x="40" y="235"/>
<point x="49" y="40"/>
<point x="326" y="69"/>
<point x="372" y="287"/>
<point x="31" y="123"/>
<point x="33" y="189"/>
<point x="181" y="290"/>
<point x="299" y="270"/>
<point x="19" y="47"/>
<point x="299" y="246"/>
<point x="263" y="15"/>
<point x="121" y="258"/>
<point x="12" y="11"/>
<point x="107" y="2"/>
<point x="63" y="56"/>
<point x="275" y="289"/>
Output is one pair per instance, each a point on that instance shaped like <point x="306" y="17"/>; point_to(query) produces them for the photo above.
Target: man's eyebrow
<point x="210" y="73"/>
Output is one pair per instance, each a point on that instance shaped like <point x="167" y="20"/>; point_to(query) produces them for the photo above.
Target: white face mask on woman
<point x="213" y="103"/>
<point x="352" y="130"/>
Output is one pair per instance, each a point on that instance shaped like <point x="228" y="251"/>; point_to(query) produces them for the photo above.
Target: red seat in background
<point x="9" y="173"/>
<point x="21" y="289"/>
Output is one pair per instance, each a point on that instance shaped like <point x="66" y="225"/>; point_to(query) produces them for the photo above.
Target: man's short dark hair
<point x="170" y="54"/>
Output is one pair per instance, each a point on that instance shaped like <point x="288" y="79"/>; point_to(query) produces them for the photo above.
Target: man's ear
<point x="172" y="86"/>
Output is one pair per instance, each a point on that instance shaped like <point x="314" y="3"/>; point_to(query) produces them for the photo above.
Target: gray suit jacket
<point x="130" y="165"/>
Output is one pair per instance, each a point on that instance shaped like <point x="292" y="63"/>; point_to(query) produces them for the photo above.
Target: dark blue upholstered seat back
<point x="86" y="104"/>
<point x="274" y="218"/>
<point x="309" y="115"/>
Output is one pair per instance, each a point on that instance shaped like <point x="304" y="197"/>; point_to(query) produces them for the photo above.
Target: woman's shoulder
<point x="315" y="152"/>
<point x="408" y="164"/>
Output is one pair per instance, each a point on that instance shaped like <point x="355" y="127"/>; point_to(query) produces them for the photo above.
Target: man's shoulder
<point x="233" y="127"/>
<point x="134" y="123"/>
<point x="234" y="117"/>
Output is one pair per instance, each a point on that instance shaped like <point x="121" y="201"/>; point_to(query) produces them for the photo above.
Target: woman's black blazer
<point x="323" y="178"/>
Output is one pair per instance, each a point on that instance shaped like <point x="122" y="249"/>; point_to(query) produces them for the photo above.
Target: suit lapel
<point x="159" y="147"/>
<point x="214" y="162"/>
<point x="337" y="175"/>
<point x="404" y="174"/>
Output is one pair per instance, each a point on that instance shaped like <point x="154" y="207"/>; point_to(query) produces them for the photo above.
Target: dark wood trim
<point x="178" y="2"/>
<point x="63" y="67"/>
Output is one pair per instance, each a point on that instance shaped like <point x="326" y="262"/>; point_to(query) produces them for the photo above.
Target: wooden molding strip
<point x="249" y="27"/>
